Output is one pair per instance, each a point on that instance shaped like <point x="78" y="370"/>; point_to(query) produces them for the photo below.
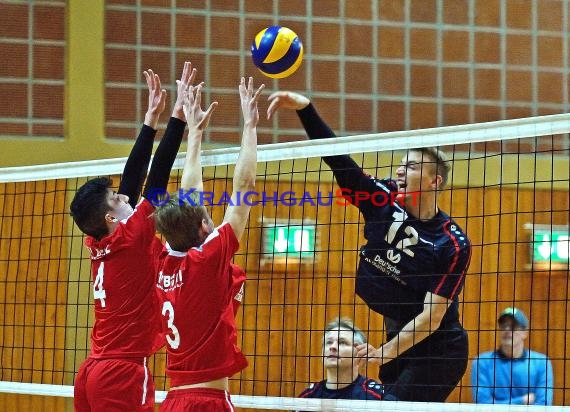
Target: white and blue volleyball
<point x="277" y="52"/>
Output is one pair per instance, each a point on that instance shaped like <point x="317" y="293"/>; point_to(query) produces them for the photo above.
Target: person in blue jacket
<point x="512" y="374"/>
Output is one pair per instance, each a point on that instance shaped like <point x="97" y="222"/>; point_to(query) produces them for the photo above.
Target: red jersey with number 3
<point x="123" y="264"/>
<point x="200" y="291"/>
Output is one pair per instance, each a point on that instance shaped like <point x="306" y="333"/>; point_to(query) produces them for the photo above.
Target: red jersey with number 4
<point x="123" y="264"/>
<point x="200" y="291"/>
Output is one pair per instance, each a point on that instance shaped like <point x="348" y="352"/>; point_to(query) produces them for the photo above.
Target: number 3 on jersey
<point x="98" y="291"/>
<point x="173" y="338"/>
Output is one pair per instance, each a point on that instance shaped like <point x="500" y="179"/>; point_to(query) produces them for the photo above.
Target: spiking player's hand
<point x="286" y="100"/>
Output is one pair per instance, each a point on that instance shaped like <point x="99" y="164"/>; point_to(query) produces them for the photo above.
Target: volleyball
<point x="277" y="52"/>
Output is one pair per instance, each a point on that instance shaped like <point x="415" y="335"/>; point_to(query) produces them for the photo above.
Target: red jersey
<point x="123" y="263"/>
<point x="200" y="291"/>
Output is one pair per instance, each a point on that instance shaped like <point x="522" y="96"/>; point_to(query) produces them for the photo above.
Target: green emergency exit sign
<point x="551" y="246"/>
<point x="291" y="241"/>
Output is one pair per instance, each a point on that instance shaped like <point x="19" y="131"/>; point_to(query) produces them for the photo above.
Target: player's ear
<point x="207" y="226"/>
<point x="205" y="229"/>
<point x="110" y="219"/>
<point x="437" y="182"/>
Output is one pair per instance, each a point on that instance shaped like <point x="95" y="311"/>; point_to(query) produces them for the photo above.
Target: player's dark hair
<point x="89" y="206"/>
<point x="358" y="336"/>
<point x="180" y="222"/>
<point x="439" y="158"/>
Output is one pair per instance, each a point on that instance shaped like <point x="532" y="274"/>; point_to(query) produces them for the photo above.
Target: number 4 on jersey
<point x="98" y="291"/>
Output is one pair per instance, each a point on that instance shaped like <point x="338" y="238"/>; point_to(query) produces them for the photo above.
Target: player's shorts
<point x="105" y="385"/>
<point x="197" y="400"/>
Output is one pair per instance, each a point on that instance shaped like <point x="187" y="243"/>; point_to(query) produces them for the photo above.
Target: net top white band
<point x="402" y="140"/>
<point x="284" y="403"/>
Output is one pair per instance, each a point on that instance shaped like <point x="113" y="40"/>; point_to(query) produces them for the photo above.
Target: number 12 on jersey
<point x="405" y="243"/>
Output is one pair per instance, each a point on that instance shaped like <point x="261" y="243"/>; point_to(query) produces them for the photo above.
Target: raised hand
<point x="156" y="98"/>
<point x="186" y="79"/>
<point x="249" y="101"/>
<point x="286" y="100"/>
<point x="196" y="118"/>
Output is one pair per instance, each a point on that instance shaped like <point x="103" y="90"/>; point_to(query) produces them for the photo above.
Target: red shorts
<point x="113" y="385"/>
<point x="197" y="400"/>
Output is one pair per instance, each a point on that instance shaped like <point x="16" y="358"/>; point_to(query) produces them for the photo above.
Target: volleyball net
<point x="508" y="190"/>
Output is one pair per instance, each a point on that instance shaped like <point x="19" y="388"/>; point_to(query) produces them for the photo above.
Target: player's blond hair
<point x="358" y="336"/>
<point x="440" y="160"/>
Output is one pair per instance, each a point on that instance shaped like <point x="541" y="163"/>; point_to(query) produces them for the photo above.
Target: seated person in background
<point x="512" y="374"/>
<point x="343" y="380"/>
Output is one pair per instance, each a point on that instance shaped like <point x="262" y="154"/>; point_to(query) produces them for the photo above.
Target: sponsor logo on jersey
<point x="386" y="267"/>
<point x="239" y="295"/>
<point x="169" y="282"/>
<point x="393" y="256"/>
<point x="99" y="253"/>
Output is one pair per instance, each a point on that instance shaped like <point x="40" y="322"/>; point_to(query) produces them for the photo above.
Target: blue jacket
<point x="498" y="379"/>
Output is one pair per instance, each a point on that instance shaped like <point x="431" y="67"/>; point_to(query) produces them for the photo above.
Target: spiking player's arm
<point x="246" y="165"/>
<point x="347" y="172"/>
<point x="197" y="121"/>
<point x="136" y="167"/>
